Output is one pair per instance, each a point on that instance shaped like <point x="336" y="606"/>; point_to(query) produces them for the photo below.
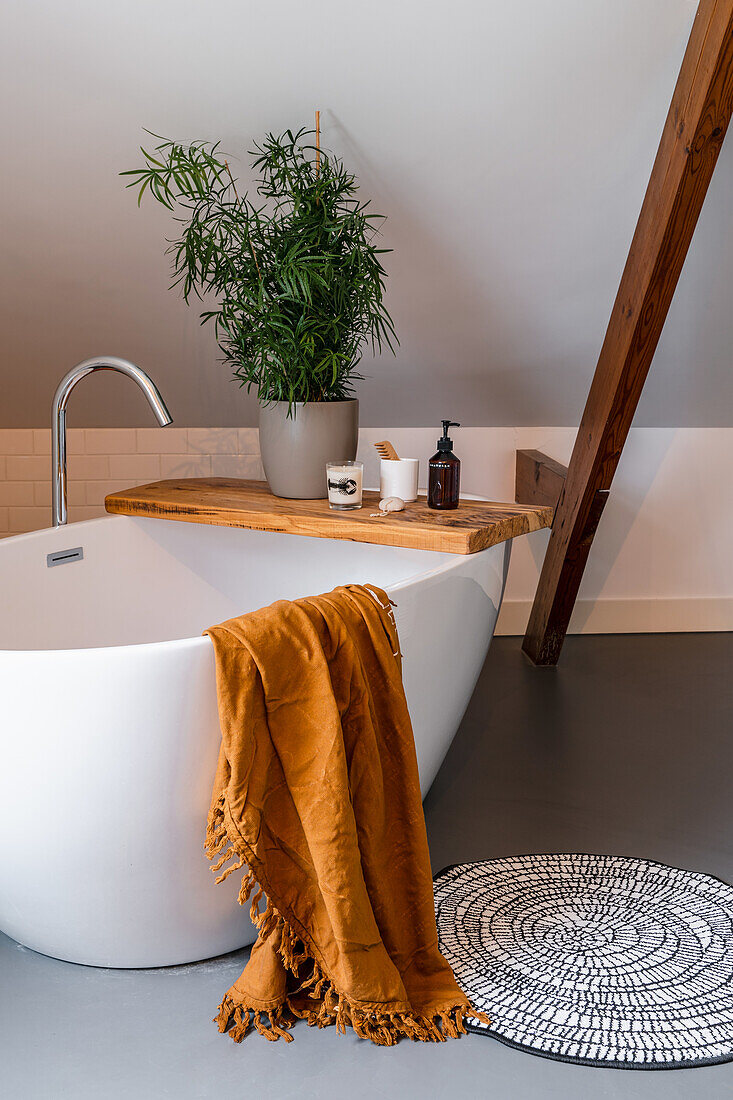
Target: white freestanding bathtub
<point x="109" y="732"/>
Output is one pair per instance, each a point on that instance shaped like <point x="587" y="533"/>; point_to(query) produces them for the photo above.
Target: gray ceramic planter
<point x="295" y="449"/>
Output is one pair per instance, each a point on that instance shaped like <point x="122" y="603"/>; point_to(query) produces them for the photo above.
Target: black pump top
<point x="444" y="443"/>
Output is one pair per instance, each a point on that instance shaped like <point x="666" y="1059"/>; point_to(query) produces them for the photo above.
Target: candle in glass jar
<point x="344" y="480"/>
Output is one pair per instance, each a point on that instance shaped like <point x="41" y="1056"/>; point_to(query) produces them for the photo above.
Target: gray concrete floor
<point x="624" y="748"/>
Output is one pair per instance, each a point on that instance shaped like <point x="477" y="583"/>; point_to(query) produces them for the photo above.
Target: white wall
<point x="509" y="143"/>
<point x="661" y="560"/>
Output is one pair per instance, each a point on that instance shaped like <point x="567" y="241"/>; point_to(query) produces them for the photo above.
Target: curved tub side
<point x="446" y="621"/>
<point x="109" y="758"/>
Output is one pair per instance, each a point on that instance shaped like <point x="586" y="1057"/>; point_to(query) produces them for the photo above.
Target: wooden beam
<point x="693" y="134"/>
<point x="538" y="479"/>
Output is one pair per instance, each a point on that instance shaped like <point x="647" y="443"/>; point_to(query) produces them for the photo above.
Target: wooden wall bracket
<point x="538" y="479"/>
<point x="693" y="134"/>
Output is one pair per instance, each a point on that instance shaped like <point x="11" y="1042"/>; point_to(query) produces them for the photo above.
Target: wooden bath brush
<point x="386" y="450"/>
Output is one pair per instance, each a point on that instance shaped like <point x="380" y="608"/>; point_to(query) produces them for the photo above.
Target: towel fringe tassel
<point x="330" y="1007"/>
<point x="238" y="1020"/>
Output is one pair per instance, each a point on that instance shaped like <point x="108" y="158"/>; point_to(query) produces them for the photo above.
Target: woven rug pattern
<point x="601" y="960"/>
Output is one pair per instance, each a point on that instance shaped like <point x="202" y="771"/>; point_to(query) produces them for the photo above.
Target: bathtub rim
<point x="202" y="641"/>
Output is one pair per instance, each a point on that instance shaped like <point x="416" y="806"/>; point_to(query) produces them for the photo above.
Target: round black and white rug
<point x="600" y="960"/>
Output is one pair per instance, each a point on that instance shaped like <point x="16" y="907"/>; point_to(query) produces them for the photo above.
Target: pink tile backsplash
<point x="134" y="467"/>
<point x="108" y="441"/>
<point x="87" y="467"/>
<point x="157" y="441"/>
<point x="28" y="519"/>
<point x="94" y="492"/>
<point x="102" y="460"/>
<point x="185" y="465"/>
<point x="213" y="441"/>
<point x="17" y="493"/>
<point x="236" y="466"/>
<point x="31" y="467"/>
<point x="42" y="441"/>
<point x="16" y="441"/>
<point x="249" y="441"/>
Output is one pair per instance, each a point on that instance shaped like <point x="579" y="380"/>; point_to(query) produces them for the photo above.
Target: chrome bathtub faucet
<point x="58" y="418"/>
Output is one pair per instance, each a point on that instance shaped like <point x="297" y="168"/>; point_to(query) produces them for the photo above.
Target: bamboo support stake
<point x="318" y="142"/>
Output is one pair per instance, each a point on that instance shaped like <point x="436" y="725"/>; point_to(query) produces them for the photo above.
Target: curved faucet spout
<point x="58" y="418"/>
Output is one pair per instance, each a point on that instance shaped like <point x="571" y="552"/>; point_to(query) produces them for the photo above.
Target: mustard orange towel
<point x="317" y="794"/>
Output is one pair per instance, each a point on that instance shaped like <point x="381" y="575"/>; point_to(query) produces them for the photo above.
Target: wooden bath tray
<point x="229" y="502"/>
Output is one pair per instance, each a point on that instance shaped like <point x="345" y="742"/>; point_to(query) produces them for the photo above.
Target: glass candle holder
<point x="344" y="481"/>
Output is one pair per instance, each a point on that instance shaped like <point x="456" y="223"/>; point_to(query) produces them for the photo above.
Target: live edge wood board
<point x="228" y="502"/>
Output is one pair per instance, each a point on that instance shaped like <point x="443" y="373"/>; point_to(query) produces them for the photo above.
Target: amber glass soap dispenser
<point x="444" y="478"/>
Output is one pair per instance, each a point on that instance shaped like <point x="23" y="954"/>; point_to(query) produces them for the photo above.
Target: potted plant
<point x="297" y="286"/>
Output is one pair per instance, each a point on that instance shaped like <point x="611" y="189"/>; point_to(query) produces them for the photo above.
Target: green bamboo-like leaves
<point x="297" y="278"/>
